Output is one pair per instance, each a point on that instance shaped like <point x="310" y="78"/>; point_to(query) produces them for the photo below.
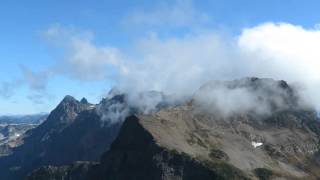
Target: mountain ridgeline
<point x="24" y="119"/>
<point x="244" y="129"/>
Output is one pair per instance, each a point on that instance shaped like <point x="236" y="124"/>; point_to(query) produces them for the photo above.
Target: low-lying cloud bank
<point x="179" y="66"/>
<point x="285" y="51"/>
<point x="255" y="96"/>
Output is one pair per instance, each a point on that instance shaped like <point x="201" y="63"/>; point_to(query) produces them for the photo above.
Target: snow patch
<point x="256" y="144"/>
<point x="92" y="106"/>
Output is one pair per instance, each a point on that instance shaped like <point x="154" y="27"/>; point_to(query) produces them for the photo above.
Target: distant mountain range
<point x="23" y="119"/>
<point x="244" y="129"/>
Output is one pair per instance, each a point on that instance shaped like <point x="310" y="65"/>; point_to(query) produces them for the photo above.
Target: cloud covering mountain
<point x="179" y="64"/>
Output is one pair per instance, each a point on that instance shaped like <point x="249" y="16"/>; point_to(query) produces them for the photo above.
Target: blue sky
<point x="117" y="24"/>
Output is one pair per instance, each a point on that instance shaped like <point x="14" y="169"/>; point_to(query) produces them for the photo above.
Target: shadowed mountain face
<point x="72" y="132"/>
<point x="136" y="154"/>
<point x="197" y="141"/>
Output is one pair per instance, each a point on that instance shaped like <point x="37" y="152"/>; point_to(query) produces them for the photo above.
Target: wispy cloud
<point x="179" y="65"/>
<point x="286" y="51"/>
<point x="82" y="59"/>
<point x="35" y="80"/>
<point x="7" y="89"/>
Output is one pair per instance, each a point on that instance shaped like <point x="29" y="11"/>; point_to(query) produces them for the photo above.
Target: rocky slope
<point x="72" y="132"/>
<point x="178" y="144"/>
<point x="273" y="137"/>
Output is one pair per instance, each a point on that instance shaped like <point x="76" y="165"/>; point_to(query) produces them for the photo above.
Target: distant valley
<point x="13" y="129"/>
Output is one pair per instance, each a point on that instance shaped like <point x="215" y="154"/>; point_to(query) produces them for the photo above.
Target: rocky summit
<point x="188" y="141"/>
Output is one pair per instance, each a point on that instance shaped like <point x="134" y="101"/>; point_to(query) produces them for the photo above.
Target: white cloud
<point x="85" y="61"/>
<point x="285" y="51"/>
<point x="173" y="65"/>
<point x="35" y="80"/>
<point x="82" y="59"/>
<point x="180" y="65"/>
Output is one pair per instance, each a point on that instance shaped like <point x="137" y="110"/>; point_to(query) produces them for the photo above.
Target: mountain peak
<point x="84" y="101"/>
<point x="62" y="116"/>
<point x="247" y="95"/>
<point x="68" y="98"/>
